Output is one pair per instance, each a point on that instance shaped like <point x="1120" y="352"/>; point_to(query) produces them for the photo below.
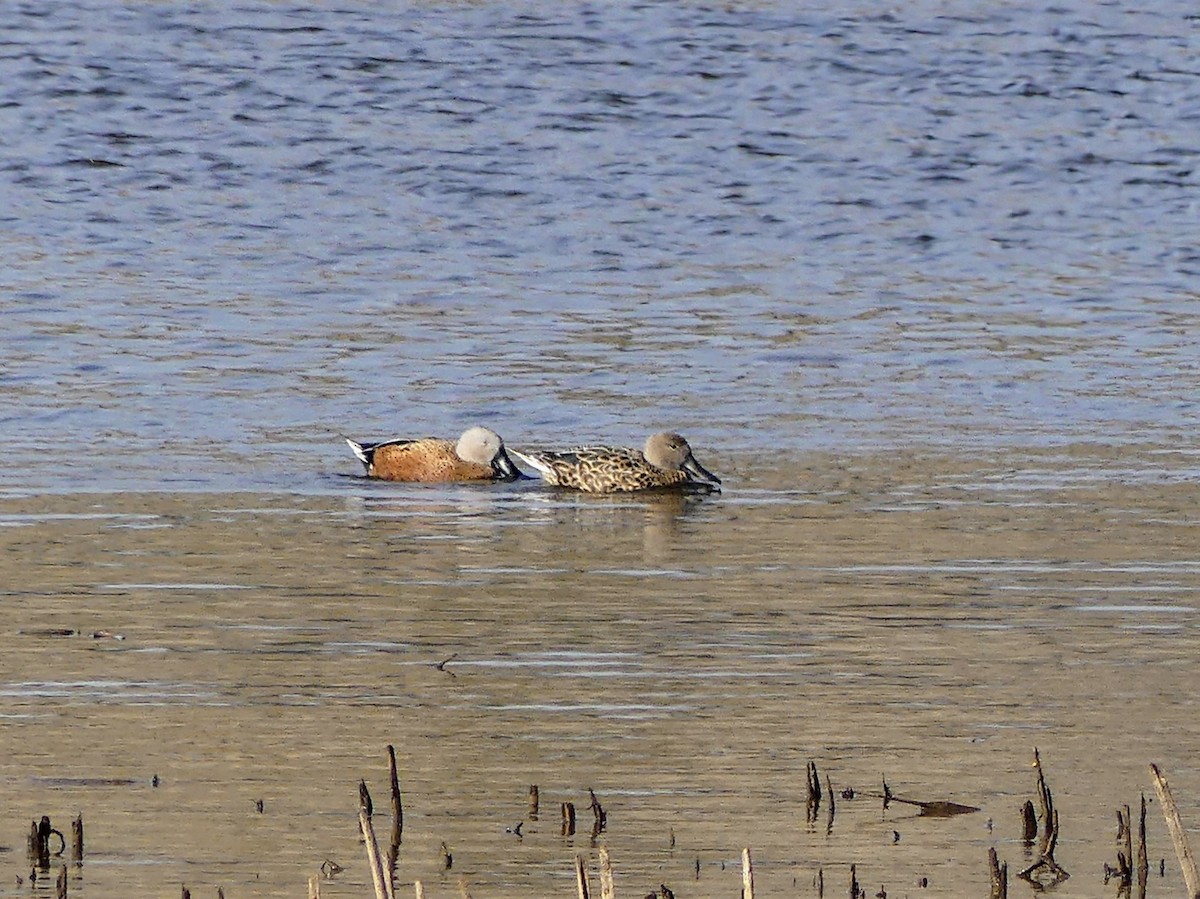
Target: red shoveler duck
<point x="478" y="455"/>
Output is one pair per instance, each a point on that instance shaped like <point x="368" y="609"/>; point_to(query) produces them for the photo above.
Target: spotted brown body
<point x="666" y="461"/>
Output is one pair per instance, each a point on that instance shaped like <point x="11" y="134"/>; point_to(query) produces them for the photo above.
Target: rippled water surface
<point x="919" y="283"/>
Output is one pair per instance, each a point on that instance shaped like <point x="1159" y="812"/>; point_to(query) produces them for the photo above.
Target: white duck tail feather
<point x="535" y="463"/>
<point x="357" y="449"/>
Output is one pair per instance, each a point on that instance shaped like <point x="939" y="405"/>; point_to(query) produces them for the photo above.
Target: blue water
<point x="918" y="281"/>
<point x="231" y="230"/>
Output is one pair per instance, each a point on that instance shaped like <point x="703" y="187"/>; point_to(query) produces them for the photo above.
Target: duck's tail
<point x="363" y="451"/>
<point x="538" y="464"/>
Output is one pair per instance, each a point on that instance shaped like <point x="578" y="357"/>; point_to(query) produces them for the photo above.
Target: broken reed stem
<point x="397" y="804"/>
<point x="1125" y="854"/>
<point x="1046" y="801"/>
<point x="747" y="875"/>
<point x="1143" y="862"/>
<point x="419" y="888"/>
<point x="1045" y="861"/>
<point x="999" y="875"/>
<point x="1029" y="825"/>
<point x="812" y="801"/>
<point x="77" y="838"/>
<point x="393" y="854"/>
<point x="599" y="815"/>
<point x="382" y="890"/>
<point x="314" y="887"/>
<point x="1178" y="835"/>
<point x="606" y="875"/>
<point x="829" y="818"/>
<point x="581" y="878"/>
<point x="60" y="884"/>
<point x="534" y="798"/>
<point x="39" y="842"/>
<point x="1129" y="839"/>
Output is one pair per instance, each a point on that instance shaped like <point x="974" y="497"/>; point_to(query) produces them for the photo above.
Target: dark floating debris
<point x="87" y="781"/>
<point x="67" y="632"/>
<point x="330" y="868"/>
<point x="937" y="808"/>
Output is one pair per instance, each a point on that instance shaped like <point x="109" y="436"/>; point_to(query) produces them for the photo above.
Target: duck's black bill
<point x="504" y="468"/>
<point x="696" y="470"/>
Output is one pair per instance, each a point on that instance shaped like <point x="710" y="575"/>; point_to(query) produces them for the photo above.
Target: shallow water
<point x="918" y="285"/>
<point x="918" y="618"/>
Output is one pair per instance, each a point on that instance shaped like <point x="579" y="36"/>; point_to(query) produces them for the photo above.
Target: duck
<point x="478" y="455"/>
<point x="665" y="461"/>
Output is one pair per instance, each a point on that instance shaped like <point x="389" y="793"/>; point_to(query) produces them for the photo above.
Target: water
<point x="917" y="283"/>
